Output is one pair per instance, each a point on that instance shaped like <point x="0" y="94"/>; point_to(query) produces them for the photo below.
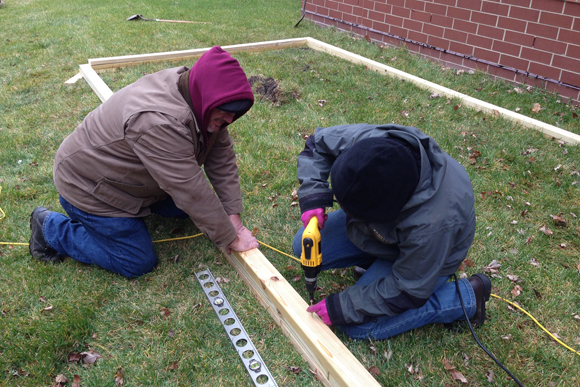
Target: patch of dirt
<point x="269" y="89"/>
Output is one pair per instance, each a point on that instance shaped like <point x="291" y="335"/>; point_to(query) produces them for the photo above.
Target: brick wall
<point x="536" y="42"/>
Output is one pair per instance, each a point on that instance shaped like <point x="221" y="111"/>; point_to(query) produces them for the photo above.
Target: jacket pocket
<point x="120" y="195"/>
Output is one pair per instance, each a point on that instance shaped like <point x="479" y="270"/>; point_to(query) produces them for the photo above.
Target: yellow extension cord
<point x="3" y="215"/>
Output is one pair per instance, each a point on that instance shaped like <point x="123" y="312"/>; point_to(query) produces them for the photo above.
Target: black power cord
<point x="303" y="13"/>
<point x="477" y="340"/>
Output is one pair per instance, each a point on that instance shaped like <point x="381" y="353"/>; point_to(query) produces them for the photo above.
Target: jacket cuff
<point x="334" y="310"/>
<point x="320" y="200"/>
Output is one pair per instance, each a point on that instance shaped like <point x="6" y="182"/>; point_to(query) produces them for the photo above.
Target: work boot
<point x="37" y="245"/>
<point x="481" y="285"/>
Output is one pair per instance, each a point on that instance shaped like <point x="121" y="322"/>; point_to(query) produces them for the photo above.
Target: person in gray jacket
<point x="406" y="216"/>
<point x="142" y="152"/>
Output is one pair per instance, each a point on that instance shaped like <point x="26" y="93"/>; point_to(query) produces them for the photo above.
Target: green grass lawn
<point x="526" y="186"/>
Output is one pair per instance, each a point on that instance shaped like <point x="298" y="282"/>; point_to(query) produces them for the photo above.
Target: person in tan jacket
<point x="142" y="152"/>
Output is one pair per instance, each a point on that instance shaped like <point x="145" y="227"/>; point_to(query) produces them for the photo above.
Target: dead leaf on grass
<point x="119" y="381"/>
<point x="534" y="262"/>
<point x="448" y="365"/>
<point x="513" y="278"/>
<point x="558" y="220"/>
<point x="546" y="230"/>
<point x="374" y="370"/>
<point x="536" y="108"/>
<point x="61" y="379"/>
<point x="517" y="290"/>
<point x="76" y="381"/>
<point x="164" y="312"/>
<point x="90" y="357"/>
<point x="74" y="357"/>
<point x="295" y="370"/>
<point x="173" y="366"/>
<point x="489" y="375"/>
<point x="456" y="375"/>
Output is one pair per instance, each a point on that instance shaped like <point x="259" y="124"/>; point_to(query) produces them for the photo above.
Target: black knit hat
<point x="236" y="106"/>
<point x="375" y="178"/>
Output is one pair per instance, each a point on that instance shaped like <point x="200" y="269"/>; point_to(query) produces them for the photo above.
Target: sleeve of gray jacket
<point x="409" y="286"/>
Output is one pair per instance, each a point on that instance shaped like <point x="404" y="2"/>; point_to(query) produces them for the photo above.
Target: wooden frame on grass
<point x="328" y="357"/>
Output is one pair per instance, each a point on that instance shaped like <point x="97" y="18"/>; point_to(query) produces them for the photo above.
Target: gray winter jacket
<point x="429" y="239"/>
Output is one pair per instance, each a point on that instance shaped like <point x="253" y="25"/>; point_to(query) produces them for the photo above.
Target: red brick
<point x="479" y="41"/>
<point x="552" y="46"/>
<point x="566" y="63"/>
<point x="516" y="63"/>
<point x="415" y="4"/>
<point x="518" y="38"/>
<point x="576" y="26"/>
<point x="369" y="4"/>
<point x="365" y="22"/>
<point x="484" y="18"/>
<point x="417" y="37"/>
<point x="346" y="8"/>
<point x="411" y="47"/>
<point x="394" y="20"/>
<point x="421" y="16"/>
<point x="465" y="26"/>
<point x="572" y="9"/>
<point x="512" y="24"/>
<point x="322" y="11"/>
<point x="382" y="27"/>
<point x="413" y="25"/>
<point x="451" y="3"/>
<point x="521" y="3"/>
<point x="385" y="8"/>
<point x="470" y="4"/>
<point x="563" y="91"/>
<point x="569" y="36"/>
<point x="548" y="5"/>
<point x="554" y="19"/>
<point x="461" y="48"/>
<point x="398" y="3"/>
<point x="490" y="32"/>
<point x="335" y="14"/>
<point x="362" y="12"/>
<point x="436" y="9"/>
<point x="481" y="66"/>
<point x="490" y="56"/>
<point x="506" y="48"/>
<point x="402" y="12"/>
<point x="573" y="52"/>
<point x="442" y="21"/>
<point x="524" y="14"/>
<point x="536" y="55"/>
<point x="495" y="8"/>
<point x="352" y="2"/>
<point x="458" y="13"/>
<point x="375" y="36"/>
<point x="330" y="4"/>
<point x="430" y="29"/>
<point x="457" y="36"/>
<point x="376" y="16"/>
<point x="315" y="2"/>
<point x="542" y="30"/>
<point x="544" y="71"/>
<point x="347" y="17"/>
<point x="399" y="31"/>
<point x="437" y="42"/>
<point x="570" y="78"/>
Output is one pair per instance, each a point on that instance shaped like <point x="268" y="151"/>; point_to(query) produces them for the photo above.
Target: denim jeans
<point x="120" y="245"/>
<point x="339" y="252"/>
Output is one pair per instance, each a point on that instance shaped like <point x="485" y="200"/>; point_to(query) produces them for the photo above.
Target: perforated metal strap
<point x="246" y="350"/>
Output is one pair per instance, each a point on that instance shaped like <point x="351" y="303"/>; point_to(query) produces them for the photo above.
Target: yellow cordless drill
<point x="311" y="257"/>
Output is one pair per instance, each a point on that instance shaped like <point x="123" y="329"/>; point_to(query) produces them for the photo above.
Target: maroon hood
<point x="217" y="78"/>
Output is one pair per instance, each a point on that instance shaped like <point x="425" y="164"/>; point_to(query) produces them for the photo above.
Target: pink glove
<point x="321" y="311"/>
<point x="318" y="212"/>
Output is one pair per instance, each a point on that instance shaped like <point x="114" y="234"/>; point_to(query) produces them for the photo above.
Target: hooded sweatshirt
<point x="146" y="142"/>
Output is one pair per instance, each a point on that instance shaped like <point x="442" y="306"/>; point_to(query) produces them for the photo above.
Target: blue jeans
<point x="120" y="245"/>
<point x="339" y="252"/>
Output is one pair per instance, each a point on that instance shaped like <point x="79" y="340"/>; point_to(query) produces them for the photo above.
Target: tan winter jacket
<point x="144" y="144"/>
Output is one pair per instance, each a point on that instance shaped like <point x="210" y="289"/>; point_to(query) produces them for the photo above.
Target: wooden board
<point x="327" y="356"/>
